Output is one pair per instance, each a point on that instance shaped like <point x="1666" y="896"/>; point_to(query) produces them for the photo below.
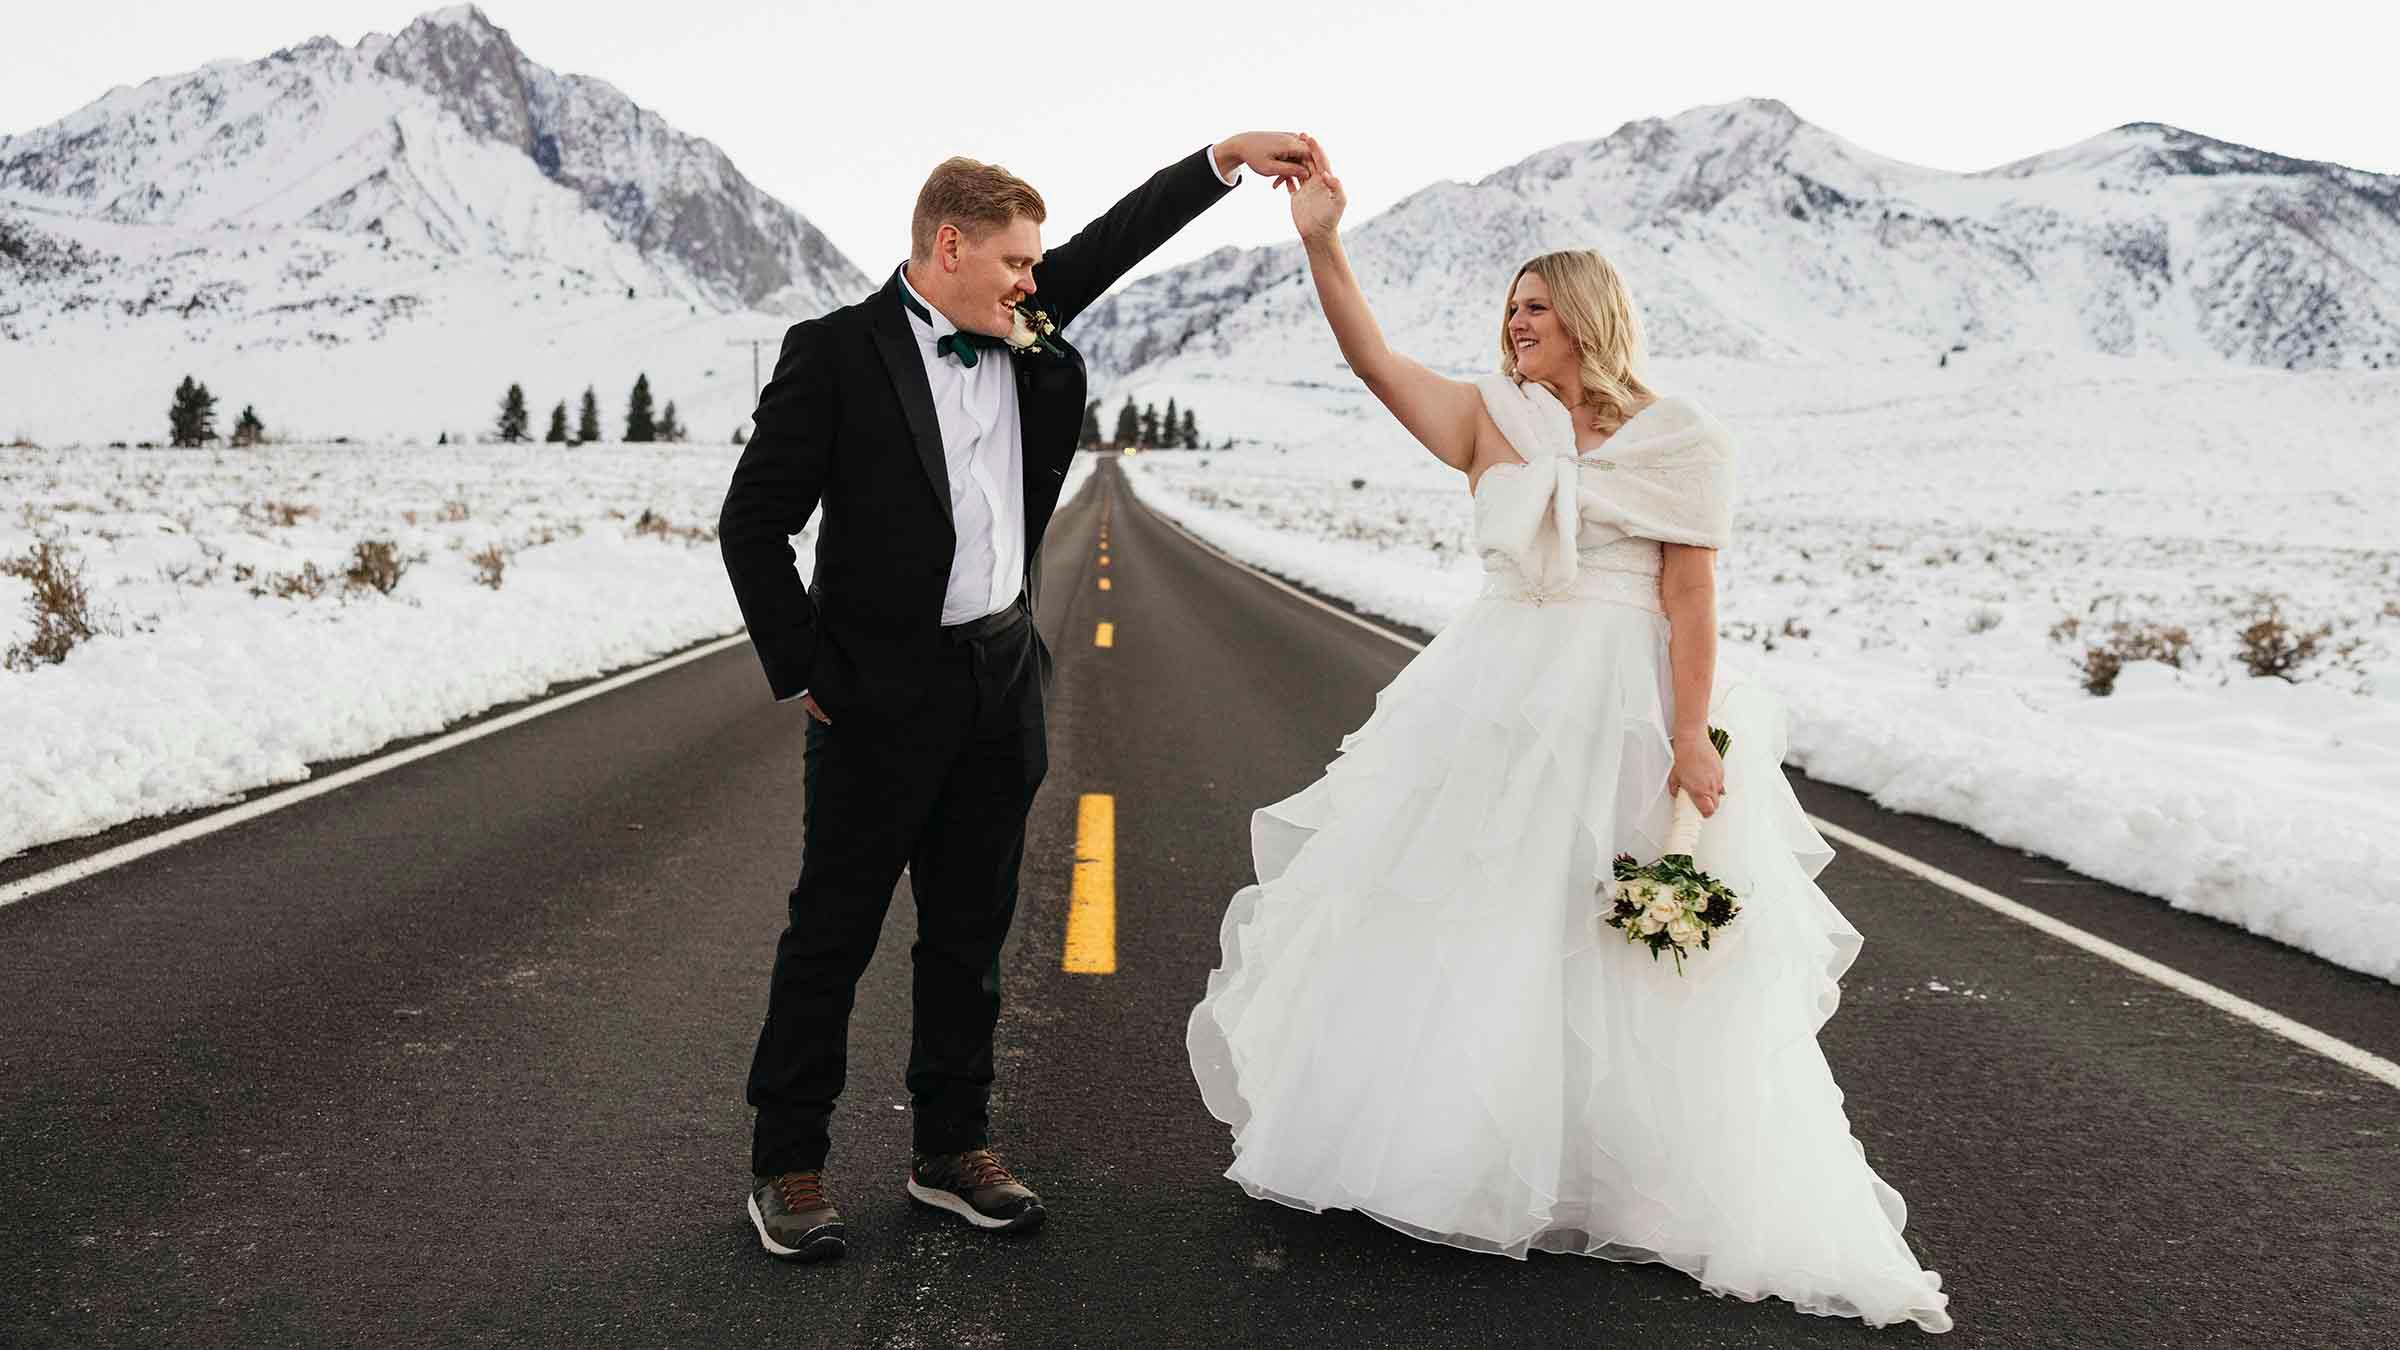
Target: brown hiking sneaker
<point x="794" y="1219"/>
<point x="974" y="1186"/>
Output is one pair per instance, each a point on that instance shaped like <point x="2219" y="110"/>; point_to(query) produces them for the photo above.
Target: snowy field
<point x="225" y="663"/>
<point x="1912" y="551"/>
<point x="218" y="670"/>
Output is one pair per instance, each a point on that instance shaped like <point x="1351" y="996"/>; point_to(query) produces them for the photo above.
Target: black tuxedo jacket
<point x="847" y="426"/>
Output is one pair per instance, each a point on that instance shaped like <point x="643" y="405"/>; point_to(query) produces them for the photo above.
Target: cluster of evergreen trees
<point x="192" y="418"/>
<point x="1144" y="428"/>
<point x="642" y="423"/>
<point x="192" y="421"/>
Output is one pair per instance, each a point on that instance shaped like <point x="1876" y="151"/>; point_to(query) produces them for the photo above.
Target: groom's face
<point x="994" y="273"/>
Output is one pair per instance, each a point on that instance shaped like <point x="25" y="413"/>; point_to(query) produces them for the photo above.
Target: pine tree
<point x="443" y="439"/>
<point x="640" y="423"/>
<point x="513" y="418"/>
<point x="1191" y="431"/>
<point x="587" y="426"/>
<point x="668" y="428"/>
<point x="1168" y="428"/>
<point x="738" y="437"/>
<point x="1129" y="424"/>
<point x="1149" y="426"/>
<point x="1090" y="437"/>
<point x="192" y="418"/>
<point x="248" y="430"/>
<point x="558" y="423"/>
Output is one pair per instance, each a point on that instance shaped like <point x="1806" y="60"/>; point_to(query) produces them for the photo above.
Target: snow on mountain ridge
<point x="373" y="240"/>
<point x="1747" y="232"/>
<point x="340" y="138"/>
<point x="2155" y="149"/>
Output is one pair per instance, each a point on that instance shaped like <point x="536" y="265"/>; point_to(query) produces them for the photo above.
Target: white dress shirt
<point x="983" y="452"/>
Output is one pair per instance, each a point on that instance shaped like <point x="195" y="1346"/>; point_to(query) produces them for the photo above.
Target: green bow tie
<point x="967" y="347"/>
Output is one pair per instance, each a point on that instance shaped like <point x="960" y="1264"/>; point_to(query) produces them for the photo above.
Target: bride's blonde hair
<point x="1592" y="304"/>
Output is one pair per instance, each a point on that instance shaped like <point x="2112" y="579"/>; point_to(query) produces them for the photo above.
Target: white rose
<point x="1651" y="923"/>
<point x="1684" y="932"/>
<point x="1664" y="907"/>
<point x="1019" y="335"/>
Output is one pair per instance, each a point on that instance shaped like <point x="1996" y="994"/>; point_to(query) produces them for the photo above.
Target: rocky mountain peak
<point x="472" y="66"/>
<point x="417" y="141"/>
<point x="2149" y="151"/>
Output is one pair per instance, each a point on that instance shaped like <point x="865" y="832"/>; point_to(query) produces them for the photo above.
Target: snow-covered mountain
<point x="420" y="212"/>
<point x="1748" y="233"/>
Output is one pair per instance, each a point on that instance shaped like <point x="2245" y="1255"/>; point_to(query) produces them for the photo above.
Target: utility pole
<point x="753" y="344"/>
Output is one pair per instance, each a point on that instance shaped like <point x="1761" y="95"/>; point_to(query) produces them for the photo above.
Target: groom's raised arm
<point x="1073" y="275"/>
<point x="775" y="489"/>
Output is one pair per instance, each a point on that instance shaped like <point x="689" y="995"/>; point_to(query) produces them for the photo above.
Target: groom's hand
<point x="808" y="703"/>
<point x="1279" y="155"/>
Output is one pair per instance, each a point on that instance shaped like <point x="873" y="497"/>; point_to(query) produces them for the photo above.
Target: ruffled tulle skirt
<point x="1415" y="1019"/>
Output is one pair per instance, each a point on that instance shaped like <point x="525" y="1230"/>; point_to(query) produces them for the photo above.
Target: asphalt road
<point x="454" y="1056"/>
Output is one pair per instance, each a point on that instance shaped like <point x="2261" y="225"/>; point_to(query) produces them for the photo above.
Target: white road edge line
<point x="2266" y="1019"/>
<point x="2333" y="1048"/>
<point x="222" y="820"/>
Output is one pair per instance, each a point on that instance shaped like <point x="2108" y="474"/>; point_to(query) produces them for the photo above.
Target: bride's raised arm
<point x="1441" y="413"/>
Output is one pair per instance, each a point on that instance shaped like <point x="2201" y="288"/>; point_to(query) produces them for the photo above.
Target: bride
<point x="1416" y="1017"/>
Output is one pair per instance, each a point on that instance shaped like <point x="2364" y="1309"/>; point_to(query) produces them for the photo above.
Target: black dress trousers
<point x="943" y="790"/>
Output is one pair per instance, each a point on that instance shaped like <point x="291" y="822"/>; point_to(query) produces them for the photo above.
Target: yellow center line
<point x="1092" y="906"/>
<point x="1106" y="637"/>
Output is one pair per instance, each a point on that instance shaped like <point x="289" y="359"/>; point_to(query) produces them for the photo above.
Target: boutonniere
<point x="1031" y="329"/>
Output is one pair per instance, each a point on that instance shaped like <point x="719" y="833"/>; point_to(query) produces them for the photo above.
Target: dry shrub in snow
<point x="285" y="514"/>
<point x="2151" y="642"/>
<point x="652" y="523"/>
<point x="309" y="583"/>
<point x="491" y="564"/>
<point x="2100" y="670"/>
<point x="2130" y="642"/>
<point x="2270" y="646"/>
<point x="376" y="563"/>
<point x="62" y="608"/>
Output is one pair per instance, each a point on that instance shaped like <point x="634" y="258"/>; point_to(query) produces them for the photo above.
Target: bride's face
<point x="992" y="275"/>
<point x="1544" y="350"/>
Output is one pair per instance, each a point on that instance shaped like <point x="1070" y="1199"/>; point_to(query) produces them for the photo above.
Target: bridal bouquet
<point x="1671" y="905"/>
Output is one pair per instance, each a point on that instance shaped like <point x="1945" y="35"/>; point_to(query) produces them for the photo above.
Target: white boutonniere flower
<point x="1031" y="328"/>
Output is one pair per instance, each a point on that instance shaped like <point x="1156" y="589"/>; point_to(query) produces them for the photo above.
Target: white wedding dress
<point x="1415" y="1018"/>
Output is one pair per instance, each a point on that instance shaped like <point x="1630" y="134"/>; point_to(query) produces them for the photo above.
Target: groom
<point x="935" y="445"/>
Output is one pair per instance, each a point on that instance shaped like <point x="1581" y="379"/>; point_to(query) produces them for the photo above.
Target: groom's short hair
<point x="976" y="197"/>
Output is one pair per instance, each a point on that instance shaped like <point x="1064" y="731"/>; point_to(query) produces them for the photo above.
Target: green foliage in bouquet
<point x="1671" y="905"/>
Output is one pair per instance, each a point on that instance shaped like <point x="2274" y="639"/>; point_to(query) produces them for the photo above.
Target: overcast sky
<point x="840" y="108"/>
